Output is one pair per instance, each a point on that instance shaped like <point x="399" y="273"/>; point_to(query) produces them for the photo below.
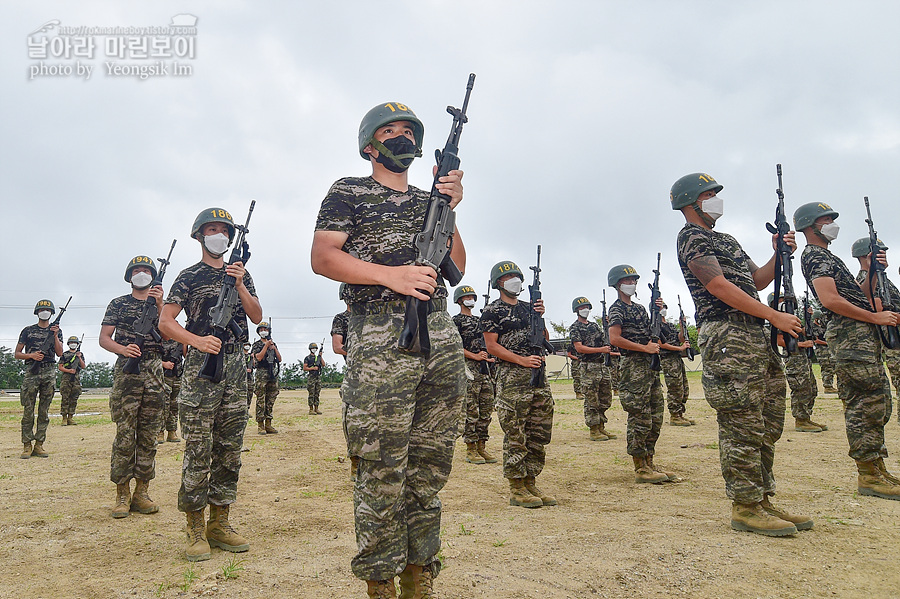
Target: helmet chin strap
<point x="711" y="223"/>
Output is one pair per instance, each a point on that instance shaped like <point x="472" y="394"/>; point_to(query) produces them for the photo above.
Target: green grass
<point x="232" y="567"/>
<point x="189" y="576"/>
<point x="464" y="531"/>
<point x="499" y="543"/>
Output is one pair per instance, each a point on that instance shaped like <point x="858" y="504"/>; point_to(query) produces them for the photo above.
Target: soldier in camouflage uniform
<point x="340" y="325"/>
<point x="213" y="415"/>
<point x="575" y="365"/>
<point x="70" y="365"/>
<point x="173" y="367"/>
<point x="479" y="403"/>
<point x="525" y="412"/>
<point x="43" y="383"/>
<point x="266" y="379"/>
<point x="312" y="366"/>
<point x="402" y="408"/>
<point x="248" y="361"/>
<point x="823" y="353"/>
<point x="588" y="340"/>
<point x="137" y="401"/>
<point x="853" y="335"/>
<point x="640" y="390"/>
<point x="673" y="370"/>
<point x="742" y="378"/>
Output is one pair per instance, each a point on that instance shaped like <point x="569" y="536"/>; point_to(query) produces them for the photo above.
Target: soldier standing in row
<point x="213" y="414"/>
<point x="42" y="383"/>
<point x="575" y="366"/>
<point x="312" y="366"/>
<point x="479" y="403"/>
<point x="268" y="362"/>
<point x="587" y="339"/>
<point x="70" y="364"/>
<point x="823" y="352"/>
<point x="248" y="361"/>
<point x="746" y="387"/>
<point x="673" y="370"/>
<point x="525" y="412"/>
<point x="136" y="401"/>
<point x="340" y="326"/>
<point x="173" y="358"/>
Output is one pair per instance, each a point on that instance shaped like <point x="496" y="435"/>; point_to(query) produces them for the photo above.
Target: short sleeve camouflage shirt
<point x="69" y="360"/>
<point x="589" y="334"/>
<point x="341" y="324"/>
<point x="121" y="313"/>
<point x="196" y="290"/>
<point x="32" y="337"/>
<point x="633" y="319"/>
<point x="510" y="323"/>
<point x="669" y="334"/>
<point x="470" y="330"/>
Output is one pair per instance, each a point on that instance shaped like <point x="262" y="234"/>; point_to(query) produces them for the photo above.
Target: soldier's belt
<point x="230" y="348"/>
<point x="393" y="307"/>
<point x="737" y="317"/>
<point x="46" y="364"/>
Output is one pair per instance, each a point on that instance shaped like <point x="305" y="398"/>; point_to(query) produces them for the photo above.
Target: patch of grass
<point x="232" y="567"/>
<point x="499" y="543"/>
<point x="711" y="446"/>
<point x="161" y="588"/>
<point x="177" y="456"/>
<point x="464" y="531"/>
<point x="6" y="476"/>
<point x="189" y="576"/>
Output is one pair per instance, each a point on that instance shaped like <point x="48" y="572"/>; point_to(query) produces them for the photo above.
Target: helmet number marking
<point x="219" y="213"/>
<point x="401" y="107"/>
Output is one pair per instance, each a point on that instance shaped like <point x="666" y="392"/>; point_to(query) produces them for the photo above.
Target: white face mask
<point x="714" y="207"/>
<point x="469" y="303"/>
<point x="141" y="280"/>
<point x="44" y="315"/>
<point x="73" y="346"/>
<point x="513" y="286"/>
<point x="628" y="290"/>
<point x="584" y="312"/>
<point x="264" y="334"/>
<point x="216" y="244"/>
<point x="830" y="231"/>
<point x="662" y="312"/>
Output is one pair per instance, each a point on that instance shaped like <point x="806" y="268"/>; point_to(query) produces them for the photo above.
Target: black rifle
<point x="655" y="316"/>
<point x="485" y="367"/>
<point x="784" y="273"/>
<point x="682" y="325"/>
<point x="537" y="343"/>
<point x="146" y="323"/>
<point x="49" y="343"/>
<point x="222" y="314"/>
<point x="271" y="358"/>
<point x="70" y="363"/>
<point x="435" y="241"/>
<point x="607" y="358"/>
<point x="878" y="284"/>
<point x="319" y="356"/>
<point x="807" y="326"/>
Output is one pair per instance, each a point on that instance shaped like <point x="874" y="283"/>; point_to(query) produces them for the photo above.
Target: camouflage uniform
<point x="742" y="377"/>
<point x="340" y="325"/>
<point x="401" y="409"/>
<point x="862" y="383"/>
<point x="802" y="381"/>
<point x="673" y="371"/>
<point x="575" y="364"/>
<point x="173" y="351"/>
<point x="525" y="413"/>
<point x="823" y="355"/>
<point x="248" y="361"/>
<point x="43" y="383"/>
<point x="266" y="387"/>
<point x="213" y="415"/>
<point x="595" y="383"/>
<point x="69" y="384"/>
<point x="479" y="403"/>
<point x="313" y="380"/>
<point x="891" y="356"/>
<point x="614" y="373"/>
<point x="137" y="401"/>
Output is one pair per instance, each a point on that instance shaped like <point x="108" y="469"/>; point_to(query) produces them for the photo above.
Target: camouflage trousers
<point x="826" y="363"/>
<point x="641" y="395"/>
<point x="213" y="417"/>
<point x="42" y="384"/>
<point x="676" y="382"/>
<point x="866" y="394"/>
<point x="170" y="412"/>
<point x="525" y="414"/>
<point x="249" y="389"/>
<point x="136" y="405"/>
<point x="402" y="414"/>
<point x="266" y="393"/>
<point x="479" y="404"/>
<point x="313" y="387"/>
<point x="802" y="381"/>
<point x="597" y="391"/>
<point x="69" y="392"/>
<point x="575" y="365"/>
<point x="892" y="361"/>
<point x="744" y="382"/>
<point x="614" y="374"/>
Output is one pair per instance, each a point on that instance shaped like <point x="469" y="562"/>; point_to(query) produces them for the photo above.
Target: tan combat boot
<point x="381" y="589"/>
<point x="645" y="474"/>
<point x="38" y="450"/>
<point x="829" y="389"/>
<point x="140" y="501"/>
<point x="312" y="411"/>
<point x="261" y="427"/>
<point x="531" y="487"/>
<point x="597" y="434"/>
<point x="219" y="532"/>
<point x="197" y="549"/>
<point x="172" y="437"/>
<point x="354" y="467"/>
<point x="605" y="432"/>
<point x="26" y="451"/>
<point x="680" y="420"/>
<point x="519" y="495"/>
<point x="821" y="426"/>
<point x="270" y="430"/>
<point x="873" y="483"/>
<point x="123" y="498"/>
<point x="806" y="426"/>
<point x="416" y="582"/>
<point x="317" y="410"/>
<point x="579" y="396"/>
<point x="879" y="463"/>
<point x="483" y="452"/>
<point x="751" y="517"/>
<point x="161" y="437"/>
<point x="65" y="419"/>
<point x="800" y="522"/>
<point x="472" y="455"/>
<point x="673" y="478"/>
<point x="71" y="422"/>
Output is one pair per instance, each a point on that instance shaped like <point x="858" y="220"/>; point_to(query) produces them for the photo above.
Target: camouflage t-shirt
<point x="341" y="324"/>
<point x="69" y="360"/>
<point x="696" y="242"/>
<point x="173" y="351"/>
<point x="380" y="223"/>
<point x="669" y="334"/>
<point x="32" y="337"/>
<point x="121" y="313"/>
<point x="861" y="277"/>
<point x="470" y="330"/>
<point x="510" y="323"/>
<point x="590" y="334"/>
<point x="633" y="319"/>
<point x="196" y="290"/>
<point x="310" y="361"/>
<point x="254" y="351"/>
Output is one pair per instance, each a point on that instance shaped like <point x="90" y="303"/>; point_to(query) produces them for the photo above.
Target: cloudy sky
<point x="582" y="117"/>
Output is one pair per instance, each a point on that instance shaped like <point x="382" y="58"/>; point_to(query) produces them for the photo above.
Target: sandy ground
<point x="607" y="538"/>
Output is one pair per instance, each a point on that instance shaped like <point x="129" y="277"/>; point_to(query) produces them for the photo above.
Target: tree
<point x="292" y="375"/>
<point x="97" y="374"/>
<point x="12" y="371"/>
<point x="560" y="329"/>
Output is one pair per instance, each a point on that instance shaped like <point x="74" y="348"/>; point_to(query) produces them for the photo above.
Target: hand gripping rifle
<point x="146" y="323"/>
<point x="436" y="239"/>
<point x="537" y="343"/>
<point x="607" y="358"/>
<point x="271" y="358"/>
<point x="70" y="363"/>
<point x="655" y="316"/>
<point x="784" y="272"/>
<point x="50" y="341"/>
<point x="682" y="324"/>
<point x="878" y="284"/>
<point x="222" y="313"/>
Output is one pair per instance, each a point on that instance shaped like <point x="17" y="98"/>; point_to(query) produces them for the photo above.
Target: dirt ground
<point x="607" y="538"/>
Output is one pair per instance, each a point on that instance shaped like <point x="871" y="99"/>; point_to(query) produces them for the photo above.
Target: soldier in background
<point x="673" y="370"/>
<point x="340" y="325"/>
<point x="587" y="339"/>
<point x="575" y="365"/>
<point x="266" y="379"/>
<point x="173" y="357"/>
<point x="70" y="364"/>
<point x="43" y="383"/>
<point x="823" y="352"/>
<point x="248" y="360"/>
<point x="312" y="366"/>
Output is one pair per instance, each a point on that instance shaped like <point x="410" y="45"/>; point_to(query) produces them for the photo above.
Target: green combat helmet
<point x="313" y="345"/>
<point x="140" y="261"/>
<point x="262" y="325"/>
<point x="580" y="302"/>
<point x="622" y="271"/>
<point x="386" y="113"/>
<point x="44" y="304"/>
<point x="462" y="292"/>
<point x="344" y="292"/>
<point x="213" y="215"/>
<point x="687" y="189"/>
<point x="72" y="339"/>
<point x="771" y="299"/>
<point x="861" y="247"/>
<point x="807" y="214"/>
<point x="504" y="268"/>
